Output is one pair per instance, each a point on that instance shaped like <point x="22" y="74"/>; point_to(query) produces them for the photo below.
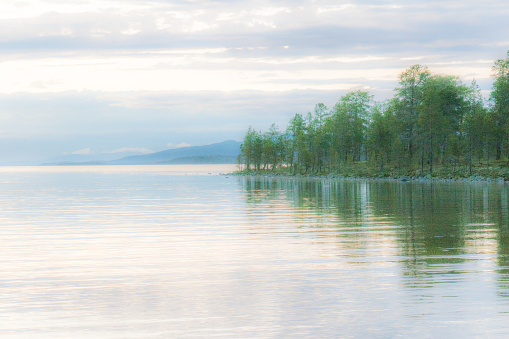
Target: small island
<point x="434" y="126"/>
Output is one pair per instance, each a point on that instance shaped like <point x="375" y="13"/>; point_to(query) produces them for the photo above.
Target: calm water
<point x="179" y="251"/>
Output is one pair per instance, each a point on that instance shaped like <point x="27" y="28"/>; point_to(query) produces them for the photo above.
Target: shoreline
<point x="403" y="178"/>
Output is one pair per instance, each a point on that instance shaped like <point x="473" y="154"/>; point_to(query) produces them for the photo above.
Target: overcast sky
<point x="104" y="76"/>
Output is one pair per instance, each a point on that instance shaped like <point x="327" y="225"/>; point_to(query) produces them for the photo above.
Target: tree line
<point x="432" y="121"/>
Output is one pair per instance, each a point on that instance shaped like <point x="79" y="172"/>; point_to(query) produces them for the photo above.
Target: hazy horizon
<point x="97" y="77"/>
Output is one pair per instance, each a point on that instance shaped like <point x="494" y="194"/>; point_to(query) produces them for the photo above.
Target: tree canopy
<point x="432" y="120"/>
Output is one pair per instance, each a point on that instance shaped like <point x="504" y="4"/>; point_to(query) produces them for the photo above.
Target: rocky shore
<point x="403" y="178"/>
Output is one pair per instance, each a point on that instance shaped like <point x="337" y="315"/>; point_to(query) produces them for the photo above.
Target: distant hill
<point x="88" y="159"/>
<point x="223" y="152"/>
<point x="203" y="159"/>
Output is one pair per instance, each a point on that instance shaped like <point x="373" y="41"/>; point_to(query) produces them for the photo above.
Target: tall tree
<point x="440" y="115"/>
<point x="317" y="137"/>
<point x="475" y="126"/>
<point x="247" y="148"/>
<point x="381" y="134"/>
<point x="348" y="124"/>
<point x="409" y="96"/>
<point x="272" y="147"/>
<point x="297" y="132"/>
<point x="500" y="98"/>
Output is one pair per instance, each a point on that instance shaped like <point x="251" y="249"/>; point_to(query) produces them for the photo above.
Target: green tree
<point x="297" y="133"/>
<point x="381" y="134"/>
<point x="500" y="98"/>
<point x="432" y="119"/>
<point x="440" y="115"/>
<point x="247" y="149"/>
<point x="347" y="126"/>
<point x="317" y="140"/>
<point x="272" y="148"/>
<point x="475" y="126"/>
<point x="409" y="98"/>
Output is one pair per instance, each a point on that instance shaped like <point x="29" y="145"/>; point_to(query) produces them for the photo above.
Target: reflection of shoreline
<point x="426" y="179"/>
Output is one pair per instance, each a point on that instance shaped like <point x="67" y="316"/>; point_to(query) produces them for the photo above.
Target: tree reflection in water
<point x="436" y="231"/>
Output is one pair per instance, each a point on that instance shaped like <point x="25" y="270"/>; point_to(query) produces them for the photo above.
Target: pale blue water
<point x="179" y="251"/>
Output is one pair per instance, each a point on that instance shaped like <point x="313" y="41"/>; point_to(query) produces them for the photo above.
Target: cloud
<point x="237" y="45"/>
<point x="179" y="145"/>
<point x="110" y="73"/>
<point x="85" y="151"/>
<point x="150" y="25"/>
<point x="139" y="150"/>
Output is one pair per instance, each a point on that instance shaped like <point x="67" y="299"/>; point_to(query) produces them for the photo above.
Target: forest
<point x="433" y="125"/>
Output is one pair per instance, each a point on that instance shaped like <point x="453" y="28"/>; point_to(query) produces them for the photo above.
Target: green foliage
<point x="382" y="137"/>
<point x="500" y="109"/>
<point x="433" y="124"/>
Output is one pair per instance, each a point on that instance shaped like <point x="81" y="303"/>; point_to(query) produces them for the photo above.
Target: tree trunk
<point x="431" y="153"/>
<point x="470" y="157"/>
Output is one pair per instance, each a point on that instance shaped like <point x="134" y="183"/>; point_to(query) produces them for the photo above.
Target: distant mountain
<point x="223" y="151"/>
<point x="203" y="159"/>
<point x="86" y="159"/>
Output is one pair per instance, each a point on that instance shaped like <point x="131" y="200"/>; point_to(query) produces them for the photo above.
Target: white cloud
<point x="139" y="150"/>
<point x="231" y="46"/>
<point x="334" y="8"/>
<point x="35" y="8"/>
<point x="85" y="151"/>
<point x="113" y="68"/>
<point x="180" y="145"/>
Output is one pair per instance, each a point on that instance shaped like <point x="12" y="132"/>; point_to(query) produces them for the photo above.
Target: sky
<point x="104" y="77"/>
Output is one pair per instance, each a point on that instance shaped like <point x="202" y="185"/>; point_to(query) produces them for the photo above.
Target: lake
<point x="181" y="251"/>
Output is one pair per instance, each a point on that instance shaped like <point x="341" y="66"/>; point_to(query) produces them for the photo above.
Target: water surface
<point x="179" y="251"/>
